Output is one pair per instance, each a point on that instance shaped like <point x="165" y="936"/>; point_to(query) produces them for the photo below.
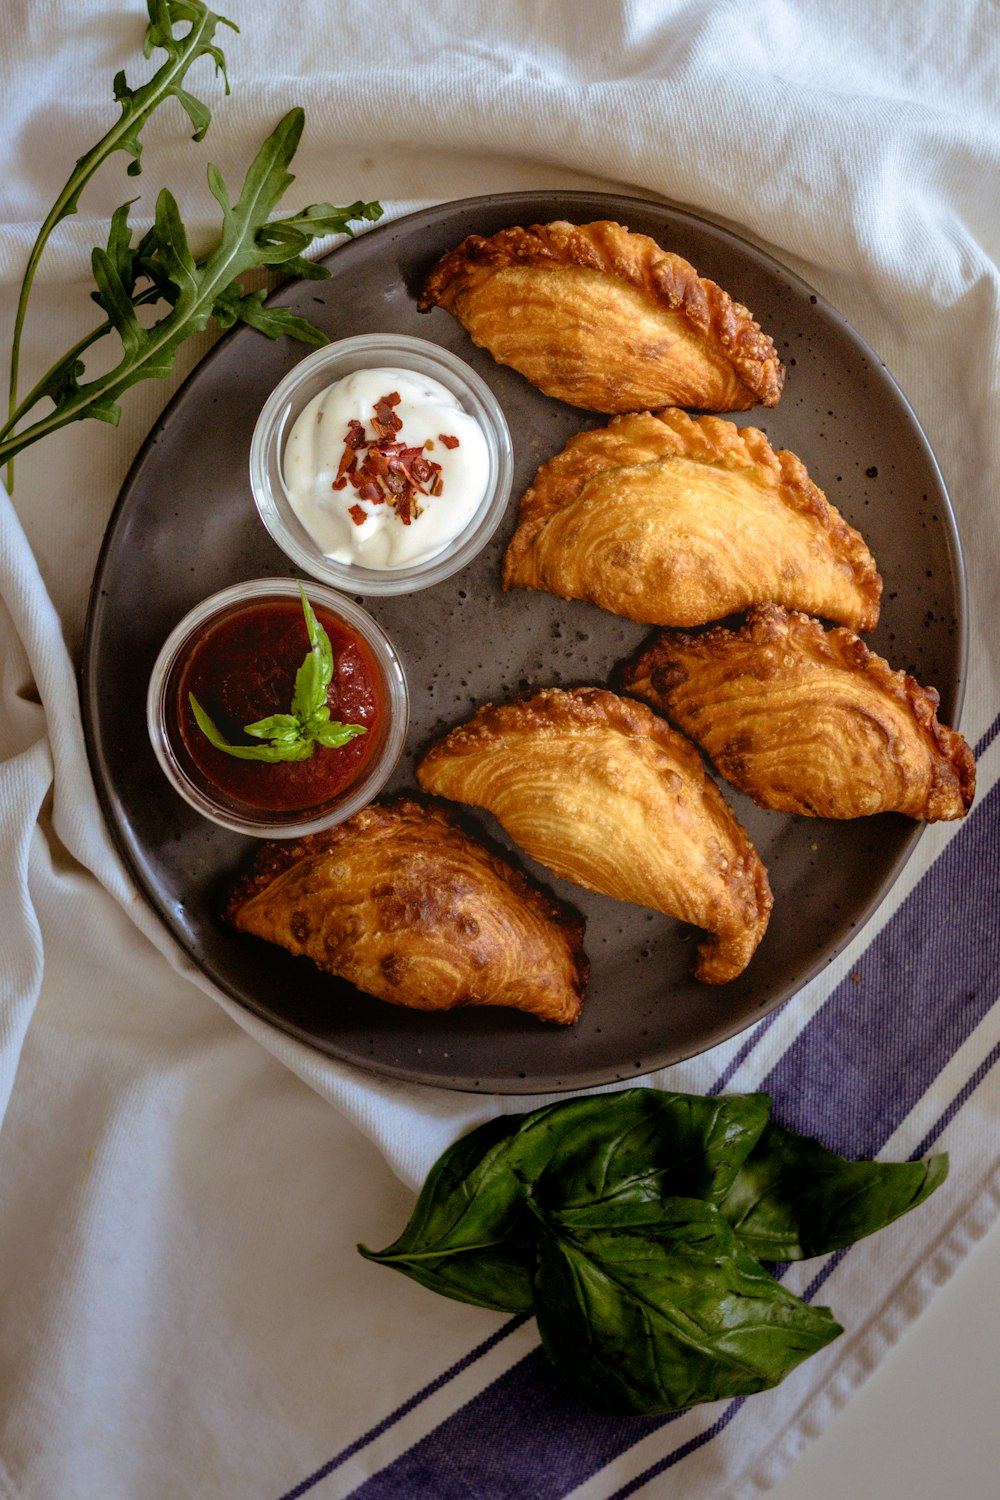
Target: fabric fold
<point x="184" y="1309"/>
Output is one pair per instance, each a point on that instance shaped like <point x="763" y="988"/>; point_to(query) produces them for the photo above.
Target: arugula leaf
<point x="136" y="107"/>
<point x="469" y="1236"/>
<point x="295" y="735"/>
<point x="666" y="1319"/>
<point x="161" y="267"/>
<point x="794" y="1199"/>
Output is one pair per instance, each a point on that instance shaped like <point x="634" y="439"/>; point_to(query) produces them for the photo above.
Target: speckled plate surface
<point x="185" y="525"/>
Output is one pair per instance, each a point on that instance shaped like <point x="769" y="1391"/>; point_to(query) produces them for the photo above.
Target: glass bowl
<point x="316" y="373"/>
<point x="251" y="627"/>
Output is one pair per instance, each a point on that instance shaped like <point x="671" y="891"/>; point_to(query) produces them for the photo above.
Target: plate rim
<point x="532" y="1086"/>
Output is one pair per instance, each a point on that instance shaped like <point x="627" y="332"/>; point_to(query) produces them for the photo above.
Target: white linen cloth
<point x="184" y="1311"/>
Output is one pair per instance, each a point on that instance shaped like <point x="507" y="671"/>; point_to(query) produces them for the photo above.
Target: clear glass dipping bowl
<point x="220" y="807"/>
<point x="314" y="374"/>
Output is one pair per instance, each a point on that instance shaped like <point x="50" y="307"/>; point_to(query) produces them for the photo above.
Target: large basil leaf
<point x="662" y="1320"/>
<point x="793" y="1198"/>
<point x="640" y="1146"/>
<point x="470" y="1235"/>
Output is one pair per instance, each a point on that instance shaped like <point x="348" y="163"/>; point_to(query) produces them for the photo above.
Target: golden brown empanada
<point x="674" y="520"/>
<point x="605" y="319"/>
<point x="806" y="720"/>
<point x="403" y="904"/>
<point x="609" y="796"/>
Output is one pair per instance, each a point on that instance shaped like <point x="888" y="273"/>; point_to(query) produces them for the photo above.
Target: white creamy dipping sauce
<point x="385" y="482"/>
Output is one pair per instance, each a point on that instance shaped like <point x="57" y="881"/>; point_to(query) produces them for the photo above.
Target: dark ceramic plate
<point x="185" y="525"/>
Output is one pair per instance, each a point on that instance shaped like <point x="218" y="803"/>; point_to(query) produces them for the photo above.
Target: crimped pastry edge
<point x="670" y="281"/>
<point x="640" y="437"/>
<point x="772" y="624"/>
<point x="556" y="708"/>
<point x="273" y="859"/>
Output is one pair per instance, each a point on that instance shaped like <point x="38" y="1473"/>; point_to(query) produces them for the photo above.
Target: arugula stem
<point x="151" y="294"/>
<point x="13" y="445"/>
<point x="195" y="290"/>
<point x="219" y="276"/>
<point x="149" y="96"/>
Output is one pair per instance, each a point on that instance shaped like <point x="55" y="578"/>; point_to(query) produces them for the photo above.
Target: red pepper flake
<point x="388" y="469"/>
<point x="448" y="440"/>
<point x="348" y="463"/>
<point x="385" y="420"/>
<point x="355" y="434"/>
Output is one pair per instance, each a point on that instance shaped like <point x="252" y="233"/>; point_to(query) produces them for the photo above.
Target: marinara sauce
<point x="242" y="668"/>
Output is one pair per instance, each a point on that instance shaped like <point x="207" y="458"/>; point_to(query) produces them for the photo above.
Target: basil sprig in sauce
<point x="634" y="1226"/>
<point x="295" y="735"/>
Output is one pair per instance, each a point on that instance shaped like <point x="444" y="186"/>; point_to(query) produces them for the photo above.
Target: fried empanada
<point x="807" y="720"/>
<point x="403" y="904"/>
<point x="605" y="319"/>
<point x="674" y="520"/>
<point x="608" y="796"/>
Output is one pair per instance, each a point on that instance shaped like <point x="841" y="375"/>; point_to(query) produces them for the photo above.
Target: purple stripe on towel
<point x="854" y="1073"/>
<point x="829" y="1266"/>
<point x="401" y="1411"/>
<point x="988" y="737"/>
<point x="919" y="993"/>
<point x="671" y="1459"/>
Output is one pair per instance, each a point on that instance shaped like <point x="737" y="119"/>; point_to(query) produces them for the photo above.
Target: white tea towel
<point x="184" y="1310"/>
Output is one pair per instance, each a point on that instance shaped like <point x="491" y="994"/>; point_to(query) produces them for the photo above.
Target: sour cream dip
<point x="384" y="468"/>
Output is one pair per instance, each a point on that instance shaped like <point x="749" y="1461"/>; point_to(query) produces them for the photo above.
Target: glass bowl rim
<point x="397" y="707"/>
<point x="460" y="378"/>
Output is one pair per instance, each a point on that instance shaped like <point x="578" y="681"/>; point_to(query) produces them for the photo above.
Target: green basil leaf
<point x="295" y="735"/>
<point x="312" y="680"/>
<point x="639" y="1324"/>
<point x="275" y="727"/>
<point x="640" y="1145"/>
<point x="297" y="749"/>
<point x="332" y="734"/>
<point x="470" y="1236"/>
<point x="635" y="1204"/>
<point x="794" y="1199"/>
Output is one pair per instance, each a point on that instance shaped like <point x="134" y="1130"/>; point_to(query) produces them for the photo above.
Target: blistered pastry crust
<point x="407" y="907"/>
<point x="606" y="319"/>
<point x="677" y="520"/>
<point x="609" y="796"/>
<point x="809" y="721"/>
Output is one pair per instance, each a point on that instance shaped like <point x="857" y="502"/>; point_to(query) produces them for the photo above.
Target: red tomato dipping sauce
<point x="240" y="661"/>
<point x="242" y="669"/>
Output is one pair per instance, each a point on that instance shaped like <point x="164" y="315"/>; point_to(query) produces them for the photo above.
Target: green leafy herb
<point x="672" y="1316"/>
<point x="470" y="1235"/>
<point x="639" y="1146"/>
<point x="136" y="107"/>
<point x="794" y="1199"/>
<point x="161" y="268"/>
<point x="295" y="735"/>
<point x="634" y="1224"/>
